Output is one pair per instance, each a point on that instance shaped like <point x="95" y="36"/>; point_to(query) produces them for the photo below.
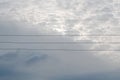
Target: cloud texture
<point x="61" y="17"/>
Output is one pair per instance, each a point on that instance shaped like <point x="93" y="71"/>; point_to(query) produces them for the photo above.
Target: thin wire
<point x="60" y="42"/>
<point x="55" y="43"/>
<point x="62" y="35"/>
<point x="52" y="49"/>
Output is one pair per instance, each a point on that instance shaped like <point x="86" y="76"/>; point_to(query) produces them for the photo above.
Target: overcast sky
<point x="60" y="17"/>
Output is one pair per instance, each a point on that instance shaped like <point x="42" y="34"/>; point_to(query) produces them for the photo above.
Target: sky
<point x="64" y="18"/>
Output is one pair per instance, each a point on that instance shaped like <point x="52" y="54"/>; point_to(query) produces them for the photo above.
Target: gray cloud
<point x="58" y="17"/>
<point x="96" y="76"/>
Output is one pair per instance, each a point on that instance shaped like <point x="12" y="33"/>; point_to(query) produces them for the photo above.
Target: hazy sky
<point x="60" y="17"/>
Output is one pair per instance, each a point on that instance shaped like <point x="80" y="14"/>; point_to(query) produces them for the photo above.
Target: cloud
<point x="14" y="65"/>
<point x="97" y="76"/>
<point x="36" y="59"/>
<point x="82" y="17"/>
<point x="37" y="65"/>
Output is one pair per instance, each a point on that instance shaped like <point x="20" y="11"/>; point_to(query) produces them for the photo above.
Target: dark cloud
<point x="8" y="56"/>
<point x="36" y="58"/>
<point x="8" y="72"/>
<point x="13" y="63"/>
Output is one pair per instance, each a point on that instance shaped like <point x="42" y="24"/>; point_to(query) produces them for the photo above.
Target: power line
<point x="62" y="35"/>
<point x="60" y="42"/>
<point x="54" y="49"/>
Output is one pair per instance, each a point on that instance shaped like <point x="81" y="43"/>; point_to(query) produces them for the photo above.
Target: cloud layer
<point x="62" y="17"/>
